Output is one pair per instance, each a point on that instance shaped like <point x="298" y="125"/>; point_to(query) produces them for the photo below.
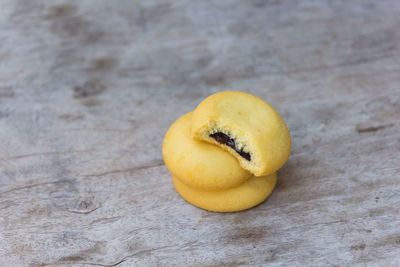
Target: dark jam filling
<point x="226" y="140"/>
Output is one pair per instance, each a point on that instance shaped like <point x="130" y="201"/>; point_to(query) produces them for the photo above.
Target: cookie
<point x="249" y="194"/>
<point x="199" y="164"/>
<point x="247" y="127"/>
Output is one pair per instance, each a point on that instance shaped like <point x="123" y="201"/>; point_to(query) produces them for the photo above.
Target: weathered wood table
<point x="89" y="88"/>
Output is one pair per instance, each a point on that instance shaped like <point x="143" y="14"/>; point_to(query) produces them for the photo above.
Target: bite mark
<point x="226" y="140"/>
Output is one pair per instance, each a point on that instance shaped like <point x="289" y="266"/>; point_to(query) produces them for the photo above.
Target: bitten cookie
<point x="247" y="127"/>
<point x="249" y="194"/>
<point x="199" y="164"/>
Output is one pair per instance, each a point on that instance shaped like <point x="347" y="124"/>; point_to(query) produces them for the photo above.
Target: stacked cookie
<point x="224" y="155"/>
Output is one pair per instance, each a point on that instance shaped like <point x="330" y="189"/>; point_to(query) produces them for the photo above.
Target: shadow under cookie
<point x="249" y="194"/>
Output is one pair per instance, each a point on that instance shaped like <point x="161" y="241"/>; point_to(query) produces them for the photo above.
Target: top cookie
<point x="199" y="164"/>
<point x="247" y="127"/>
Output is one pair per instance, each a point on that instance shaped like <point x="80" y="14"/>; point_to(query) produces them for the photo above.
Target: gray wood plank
<point x="89" y="88"/>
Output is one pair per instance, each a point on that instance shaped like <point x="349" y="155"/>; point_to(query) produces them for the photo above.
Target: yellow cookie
<point x="199" y="164"/>
<point x="249" y="194"/>
<point x="247" y="127"/>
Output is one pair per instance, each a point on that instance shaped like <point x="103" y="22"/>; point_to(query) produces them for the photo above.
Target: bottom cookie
<point x="249" y="194"/>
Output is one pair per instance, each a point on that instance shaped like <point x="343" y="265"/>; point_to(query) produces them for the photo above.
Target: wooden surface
<point x="89" y="88"/>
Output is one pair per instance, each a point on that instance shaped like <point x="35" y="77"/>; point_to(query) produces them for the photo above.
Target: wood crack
<point x="146" y="251"/>
<point x="333" y="66"/>
<point x="89" y="263"/>
<point x="34" y="185"/>
<point x="83" y="212"/>
<point x="109" y="219"/>
<point x="326" y="223"/>
<point x="45" y="154"/>
<point x="105" y="265"/>
<point x="361" y="128"/>
<point x="101" y="129"/>
<point x="135" y="168"/>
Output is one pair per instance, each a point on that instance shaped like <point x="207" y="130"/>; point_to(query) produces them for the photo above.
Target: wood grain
<point x="89" y="88"/>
